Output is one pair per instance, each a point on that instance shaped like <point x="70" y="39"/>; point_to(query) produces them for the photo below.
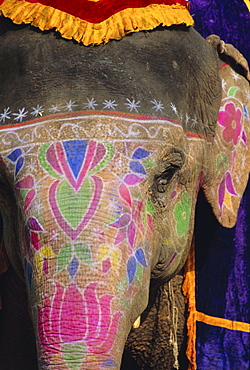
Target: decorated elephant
<point x="103" y="152"/>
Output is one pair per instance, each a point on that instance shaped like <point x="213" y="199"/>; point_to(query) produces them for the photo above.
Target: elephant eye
<point x="173" y="164"/>
<point x="162" y="181"/>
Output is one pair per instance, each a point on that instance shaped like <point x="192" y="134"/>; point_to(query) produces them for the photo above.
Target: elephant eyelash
<point x="163" y="180"/>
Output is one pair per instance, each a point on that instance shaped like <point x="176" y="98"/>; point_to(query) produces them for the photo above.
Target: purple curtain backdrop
<point x="223" y="255"/>
<point x="229" y="19"/>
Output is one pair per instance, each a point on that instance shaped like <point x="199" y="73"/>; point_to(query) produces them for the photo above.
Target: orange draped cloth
<point x="97" y="21"/>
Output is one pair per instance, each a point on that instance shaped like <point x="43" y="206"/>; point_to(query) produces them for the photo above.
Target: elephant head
<point x="96" y="203"/>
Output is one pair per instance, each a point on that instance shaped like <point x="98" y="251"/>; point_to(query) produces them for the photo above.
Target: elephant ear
<point x="229" y="162"/>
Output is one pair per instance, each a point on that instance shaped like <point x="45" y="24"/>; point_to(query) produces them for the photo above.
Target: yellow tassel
<point x="247" y="2"/>
<point x="115" y="27"/>
<point x="188" y="288"/>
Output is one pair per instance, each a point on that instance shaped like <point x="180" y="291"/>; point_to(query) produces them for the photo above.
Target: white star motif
<point x="174" y="109"/>
<point x="19" y="116"/>
<point x="55" y="108"/>
<point x="223" y="84"/>
<point x="32" y="167"/>
<point x="54" y="235"/>
<point x="157" y="105"/>
<point x="5" y="114"/>
<point x="235" y="76"/>
<point x="180" y="117"/>
<point x="194" y="122"/>
<point x="38" y="111"/>
<point x="237" y="178"/>
<point x="91" y="104"/>
<point x="132" y="105"/>
<point x="71" y="104"/>
<point x="187" y="119"/>
<point x="38" y="207"/>
<point x="108" y="104"/>
<point x="243" y="161"/>
<point x="247" y="92"/>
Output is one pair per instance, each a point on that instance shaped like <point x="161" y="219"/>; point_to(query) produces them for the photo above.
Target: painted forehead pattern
<point x="115" y="127"/>
<point x="140" y="110"/>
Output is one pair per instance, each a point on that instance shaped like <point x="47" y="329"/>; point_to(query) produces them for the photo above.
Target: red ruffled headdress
<point x="97" y="21"/>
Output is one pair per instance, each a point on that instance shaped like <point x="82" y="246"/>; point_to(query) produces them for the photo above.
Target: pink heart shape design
<point x="73" y="233"/>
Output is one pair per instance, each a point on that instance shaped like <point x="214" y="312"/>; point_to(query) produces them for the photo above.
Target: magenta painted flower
<point x="27" y="186"/>
<point x="72" y="319"/>
<point x="225" y="185"/>
<point x="230" y="118"/>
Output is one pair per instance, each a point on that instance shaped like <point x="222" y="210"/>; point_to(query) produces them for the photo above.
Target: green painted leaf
<point x="83" y="252"/>
<point x="73" y="205"/>
<point x="109" y="155"/>
<point x="182" y="214"/>
<point x="64" y="257"/>
<point x="139" y="271"/>
<point x="148" y="162"/>
<point x="144" y="216"/>
<point x="24" y="192"/>
<point x="220" y="161"/>
<point x="232" y="91"/>
<point x="74" y="354"/>
<point x="150" y="207"/>
<point x="44" y="162"/>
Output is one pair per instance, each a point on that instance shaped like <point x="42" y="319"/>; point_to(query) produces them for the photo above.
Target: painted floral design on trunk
<point x="76" y="322"/>
<point x="87" y="225"/>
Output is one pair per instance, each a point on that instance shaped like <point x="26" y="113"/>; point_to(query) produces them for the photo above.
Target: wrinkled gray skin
<point x="173" y="64"/>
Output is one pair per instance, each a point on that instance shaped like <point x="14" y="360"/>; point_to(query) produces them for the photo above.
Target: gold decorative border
<point x="115" y="27"/>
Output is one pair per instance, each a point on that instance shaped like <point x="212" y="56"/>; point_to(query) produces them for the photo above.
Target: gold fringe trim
<point x="223" y="323"/>
<point x="188" y="289"/>
<point x="115" y="27"/>
<point x="247" y="2"/>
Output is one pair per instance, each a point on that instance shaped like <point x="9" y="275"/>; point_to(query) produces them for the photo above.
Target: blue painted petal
<point x="140" y="256"/>
<point x="14" y="155"/>
<point x="19" y="165"/>
<point x="245" y="111"/>
<point x="73" y="267"/>
<point x="29" y="273"/>
<point x="137" y="167"/>
<point x="109" y="362"/>
<point x="122" y="221"/>
<point x="131" y="269"/>
<point x="43" y="363"/>
<point x="140" y="153"/>
<point x="75" y="151"/>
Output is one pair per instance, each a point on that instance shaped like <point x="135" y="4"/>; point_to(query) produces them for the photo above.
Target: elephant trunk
<point x="77" y="312"/>
<point x="76" y="329"/>
<point x="87" y="224"/>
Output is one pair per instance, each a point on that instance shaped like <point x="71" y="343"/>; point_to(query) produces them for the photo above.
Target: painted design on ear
<point x="230" y="118"/>
<point x="226" y="189"/>
<point x="182" y="213"/>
